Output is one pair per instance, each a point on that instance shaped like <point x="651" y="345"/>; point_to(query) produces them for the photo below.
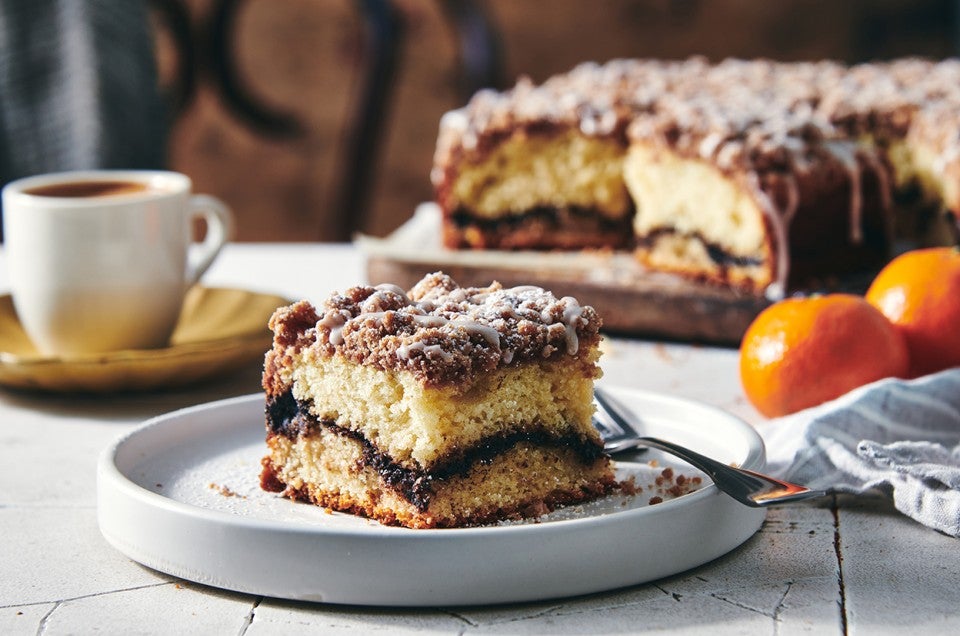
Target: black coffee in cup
<point x="84" y="189"/>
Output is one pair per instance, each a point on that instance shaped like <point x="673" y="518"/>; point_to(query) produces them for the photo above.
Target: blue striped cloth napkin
<point x="894" y="436"/>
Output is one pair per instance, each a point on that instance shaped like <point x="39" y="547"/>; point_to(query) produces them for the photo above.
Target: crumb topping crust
<point x="439" y="331"/>
<point x="736" y="110"/>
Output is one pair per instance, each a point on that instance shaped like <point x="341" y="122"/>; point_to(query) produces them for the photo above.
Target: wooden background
<point x="304" y="58"/>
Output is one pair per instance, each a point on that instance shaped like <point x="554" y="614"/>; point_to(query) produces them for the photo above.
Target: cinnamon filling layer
<point x="555" y="216"/>
<point x="717" y="253"/>
<point x="546" y="225"/>
<point x="288" y="417"/>
<point x="561" y="217"/>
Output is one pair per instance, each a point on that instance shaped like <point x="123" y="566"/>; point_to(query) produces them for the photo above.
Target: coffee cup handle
<point x="219" y="221"/>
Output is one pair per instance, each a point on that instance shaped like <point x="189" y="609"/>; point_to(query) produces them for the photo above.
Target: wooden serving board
<point x="630" y="299"/>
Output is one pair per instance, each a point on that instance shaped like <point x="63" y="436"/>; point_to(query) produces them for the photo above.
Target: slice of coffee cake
<point x="448" y="406"/>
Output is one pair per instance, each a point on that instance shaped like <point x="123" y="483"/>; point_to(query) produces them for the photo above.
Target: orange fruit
<point x="801" y="352"/>
<point x="919" y="292"/>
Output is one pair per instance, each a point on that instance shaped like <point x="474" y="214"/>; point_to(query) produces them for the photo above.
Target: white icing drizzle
<point x="729" y="151"/>
<point x="376" y="316"/>
<point x="709" y="144"/>
<point x="847" y="154"/>
<point x="333" y="321"/>
<point x="429" y="350"/>
<point x="521" y="290"/>
<point x="491" y="335"/>
<point x="394" y="289"/>
<point x="386" y="295"/>
<point x="429" y="321"/>
<point x="777" y="288"/>
<point x="793" y="200"/>
<point x="571" y="316"/>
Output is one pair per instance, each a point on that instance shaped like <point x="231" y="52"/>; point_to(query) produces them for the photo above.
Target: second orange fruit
<point x="801" y="352"/>
<point x="919" y="292"/>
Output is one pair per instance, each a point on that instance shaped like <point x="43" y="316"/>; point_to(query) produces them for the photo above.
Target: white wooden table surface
<point x="842" y="566"/>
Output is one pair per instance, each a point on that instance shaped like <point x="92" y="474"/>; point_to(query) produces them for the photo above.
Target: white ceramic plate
<point x="181" y="495"/>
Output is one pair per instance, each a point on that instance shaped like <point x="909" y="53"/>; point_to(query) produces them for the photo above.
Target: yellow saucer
<point x="218" y="330"/>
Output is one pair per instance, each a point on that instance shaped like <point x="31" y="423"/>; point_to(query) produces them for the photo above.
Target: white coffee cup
<point x="101" y="260"/>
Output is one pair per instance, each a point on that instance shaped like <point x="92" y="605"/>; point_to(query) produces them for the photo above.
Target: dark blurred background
<point x="315" y="119"/>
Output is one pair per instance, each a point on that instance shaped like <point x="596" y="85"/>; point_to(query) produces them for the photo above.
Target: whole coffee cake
<point x="754" y="174"/>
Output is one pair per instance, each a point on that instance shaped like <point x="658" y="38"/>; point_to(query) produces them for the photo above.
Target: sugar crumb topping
<point x="439" y="330"/>
<point x="735" y="111"/>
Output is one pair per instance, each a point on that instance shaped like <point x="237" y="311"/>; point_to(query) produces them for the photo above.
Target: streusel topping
<point x="742" y="112"/>
<point x="440" y="331"/>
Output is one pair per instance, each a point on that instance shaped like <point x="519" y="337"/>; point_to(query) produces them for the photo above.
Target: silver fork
<point x="746" y="486"/>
